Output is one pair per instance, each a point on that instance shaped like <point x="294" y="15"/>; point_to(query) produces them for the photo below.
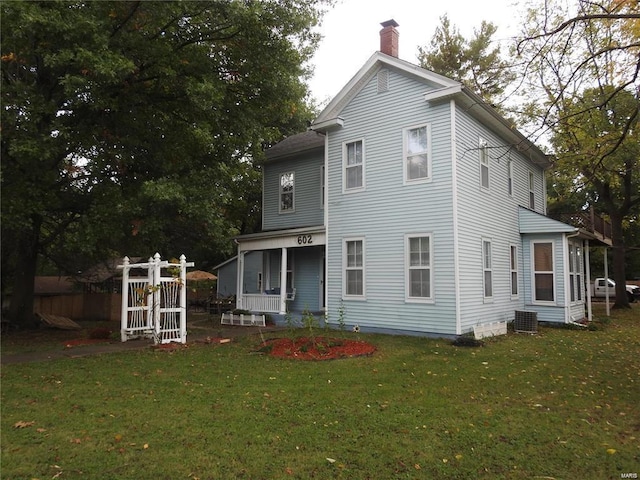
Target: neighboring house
<point x="411" y="206"/>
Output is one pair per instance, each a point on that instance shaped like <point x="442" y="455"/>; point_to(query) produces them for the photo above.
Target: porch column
<point x="283" y="281"/>
<point x="240" y="280"/>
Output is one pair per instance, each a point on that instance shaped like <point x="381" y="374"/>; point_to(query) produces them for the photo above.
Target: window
<point x="286" y="192"/>
<point x="532" y="197"/>
<point x="543" y="274"/>
<point x="260" y="282"/>
<point x="513" y="260"/>
<point x="416" y="154"/>
<point x="418" y="267"/>
<point x="510" y="178"/>
<point x="575" y="272"/>
<point x="353" y="160"/>
<point x="484" y="164"/>
<point x="322" y="187"/>
<point x="487" y="270"/>
<point x="354" y="267"/>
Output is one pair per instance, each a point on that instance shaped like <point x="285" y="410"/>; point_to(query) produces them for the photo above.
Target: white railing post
<point x="124" y="312"/>
<point x="283" y="281"/>
<point x="183" y="298"/>
<point x="155" y="295"/>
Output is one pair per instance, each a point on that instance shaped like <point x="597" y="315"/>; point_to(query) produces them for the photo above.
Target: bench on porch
<point x="291" y="293"/>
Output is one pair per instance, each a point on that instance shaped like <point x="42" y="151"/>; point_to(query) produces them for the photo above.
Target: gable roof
<point x="296" y="144"/>
<point x="440" y="88"/>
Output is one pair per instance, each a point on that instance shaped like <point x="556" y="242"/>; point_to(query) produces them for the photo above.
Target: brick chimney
<point x="389" y="38"/>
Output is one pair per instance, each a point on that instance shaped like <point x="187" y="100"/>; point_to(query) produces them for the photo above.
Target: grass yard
<point x="562" y="404"/>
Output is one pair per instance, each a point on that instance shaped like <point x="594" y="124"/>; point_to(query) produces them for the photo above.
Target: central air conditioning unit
<point x="526" y="322"/>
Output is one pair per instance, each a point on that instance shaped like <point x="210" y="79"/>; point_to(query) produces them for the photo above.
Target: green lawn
<point x="561" y="404"/>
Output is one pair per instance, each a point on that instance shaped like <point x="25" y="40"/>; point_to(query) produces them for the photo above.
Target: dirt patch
<point x="318" y="348"/>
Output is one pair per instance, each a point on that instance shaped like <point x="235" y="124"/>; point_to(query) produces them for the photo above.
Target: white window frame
<point x="510" y="178"/>
<point x="532" y="192"/>
<point x="346" y="267"/>
<point x="514" y="274"/>
<point x="408" y="268"/>
<point x="405" y="154"/>
<point x="323" y="190"/>
<point x="483" y="157"/>
<point x="535" y="273"/>
<point x="345" y="166"/>
<point x="576" y="273"/>
<point x="487" y="268"/>
<point x="281" y="192"/>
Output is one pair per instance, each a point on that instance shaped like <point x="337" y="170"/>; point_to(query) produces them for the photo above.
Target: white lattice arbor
<point x="154" y="300"/>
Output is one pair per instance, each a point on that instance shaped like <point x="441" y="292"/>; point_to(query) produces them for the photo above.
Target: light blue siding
<point x="308" y="210"/>
<point x="388" y="209"/>
<point x="227" y="272"/>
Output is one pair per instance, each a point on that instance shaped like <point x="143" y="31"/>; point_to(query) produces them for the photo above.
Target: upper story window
<point x="483" y="148"/>
<point x="353" y="164"/>
<point x="510" y="178"/>
<point x="322" y="187"/>
<point x="417" y="159"/>
<point x="286" y="192"/>
<point x="532" y="196"/>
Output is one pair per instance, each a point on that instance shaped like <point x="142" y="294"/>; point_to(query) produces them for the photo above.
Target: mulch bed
<point x="318" y="348"/>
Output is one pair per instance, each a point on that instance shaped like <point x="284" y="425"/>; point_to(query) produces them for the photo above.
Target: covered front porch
<point x="292" y="271"/>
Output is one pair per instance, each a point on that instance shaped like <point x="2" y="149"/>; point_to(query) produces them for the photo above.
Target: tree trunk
<point x="619" y="270"/>
<point x="26" y="251"/>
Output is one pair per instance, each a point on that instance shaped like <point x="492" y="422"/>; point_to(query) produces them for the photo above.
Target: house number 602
<point x="305" y="239"/>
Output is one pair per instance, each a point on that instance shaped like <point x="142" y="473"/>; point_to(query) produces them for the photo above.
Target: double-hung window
<point x="513" y="267"/>
<point x="353" y="162"/>
<point x="286" y="192"/>
<point x="418" y="260"/>
<point x="417" y="157"/>
<point x="532" y="196"/>
<point x="487" y="269"/>
<point x="575" y="272"/>
<point x="510" y="178"/>
<point x="543" y="272"/>
<point x="483" y="148"/>
<point x="353" y="260"/>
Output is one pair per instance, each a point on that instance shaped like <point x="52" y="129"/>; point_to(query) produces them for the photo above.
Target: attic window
<point x="383" y="80"/>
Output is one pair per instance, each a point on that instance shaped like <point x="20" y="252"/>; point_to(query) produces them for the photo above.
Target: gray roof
<point x="301" y="142"/>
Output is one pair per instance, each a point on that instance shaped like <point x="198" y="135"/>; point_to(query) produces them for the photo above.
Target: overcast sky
<point x="351" y="32"/>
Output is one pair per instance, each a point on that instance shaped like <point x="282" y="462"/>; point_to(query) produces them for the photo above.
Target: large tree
<point x="477" y="61"/>
<point x="125" y="123"/>
<point x="581" y="64"/>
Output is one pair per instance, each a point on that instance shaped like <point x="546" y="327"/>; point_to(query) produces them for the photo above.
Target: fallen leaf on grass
<point x="23" y="424"/>
<point x="331" y="460"/>
<point x="611" y="451"/>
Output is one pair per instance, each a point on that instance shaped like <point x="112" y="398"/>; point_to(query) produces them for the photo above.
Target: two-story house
<point x="411" y="206"/>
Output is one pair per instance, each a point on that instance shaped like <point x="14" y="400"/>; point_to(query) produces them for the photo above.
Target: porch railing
<point x="258" y="302"/>
<point x="587" y="220"/>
